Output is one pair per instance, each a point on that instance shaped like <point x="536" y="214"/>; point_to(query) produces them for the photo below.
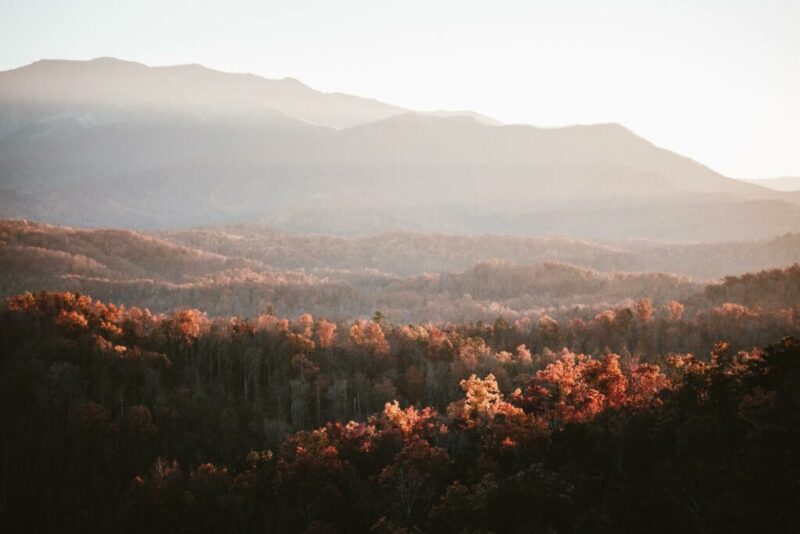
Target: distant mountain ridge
<point x="131" y="85"/>
<point x="115" y="143"/>
<point x="109" y="81"/>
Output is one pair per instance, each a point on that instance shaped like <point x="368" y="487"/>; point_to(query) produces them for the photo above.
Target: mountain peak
<point x="112" y="82"/>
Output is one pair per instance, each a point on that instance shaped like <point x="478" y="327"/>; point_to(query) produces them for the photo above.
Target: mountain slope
<point x="112" y="143"/>
<point x="114" y="253"/>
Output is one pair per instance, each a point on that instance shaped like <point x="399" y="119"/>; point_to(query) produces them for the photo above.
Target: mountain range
<point x="113" y="143"/>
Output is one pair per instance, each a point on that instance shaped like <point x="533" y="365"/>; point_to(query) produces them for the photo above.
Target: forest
<point x="658" y="418"/>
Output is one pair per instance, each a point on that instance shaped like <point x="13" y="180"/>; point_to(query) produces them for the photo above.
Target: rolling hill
<point x="243" y="270"/>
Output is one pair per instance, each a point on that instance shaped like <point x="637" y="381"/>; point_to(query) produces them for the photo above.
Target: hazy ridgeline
<point x="119" y="144"/>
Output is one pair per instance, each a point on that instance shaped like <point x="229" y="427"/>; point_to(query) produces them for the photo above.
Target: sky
<point x="715" y="80"/>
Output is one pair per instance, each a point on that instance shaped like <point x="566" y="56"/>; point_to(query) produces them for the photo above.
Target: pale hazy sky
<point x="717" y="80"/>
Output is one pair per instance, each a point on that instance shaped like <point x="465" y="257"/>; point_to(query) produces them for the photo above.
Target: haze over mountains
<point x="784" y="183"/>
<point x="119" y="144"/>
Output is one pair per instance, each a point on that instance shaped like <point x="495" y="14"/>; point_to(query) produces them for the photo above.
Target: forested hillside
<point x="129" y="421"/>
<point x="410" y="277"/>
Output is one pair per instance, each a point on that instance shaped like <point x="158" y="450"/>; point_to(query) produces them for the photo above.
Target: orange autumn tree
<point x="483" y="401"/>
<point x="186" y="326"/>
<point x="368" y="335"/>
<point x="410" y="421"/>
<point x="326" y="334"/>
<point x="577" y="387"/>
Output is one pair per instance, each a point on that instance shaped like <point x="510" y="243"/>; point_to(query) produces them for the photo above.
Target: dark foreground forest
<point x="640" y="418"/>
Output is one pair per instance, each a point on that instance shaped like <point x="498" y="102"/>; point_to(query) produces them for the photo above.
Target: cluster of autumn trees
<point x="635" y="418"/>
